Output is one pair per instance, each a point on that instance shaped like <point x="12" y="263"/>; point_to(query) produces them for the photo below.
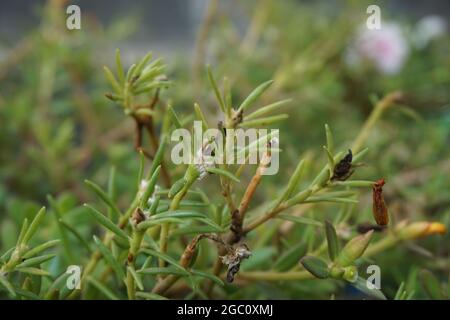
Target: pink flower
<point x="385" y="48"/>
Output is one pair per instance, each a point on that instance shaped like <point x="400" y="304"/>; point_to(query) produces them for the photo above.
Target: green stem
<point x="191" y="176"/>
<point x="135" y="245"/>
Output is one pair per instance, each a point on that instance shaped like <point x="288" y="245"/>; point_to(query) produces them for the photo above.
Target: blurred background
<point x="57" y="128"/>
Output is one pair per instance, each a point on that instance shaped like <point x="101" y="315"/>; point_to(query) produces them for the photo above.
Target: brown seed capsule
<point x="380" y="212"/>
<point x="343" y="170"/>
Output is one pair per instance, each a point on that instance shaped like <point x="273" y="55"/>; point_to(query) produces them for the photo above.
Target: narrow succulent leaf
<point x="266" y="109"/>
<point x="63" y="234"/>
<point x="188" y="203"/>
<point x="7" y="285"/>
<point x="113" y="81"/>
<point x="212" y="224"/>
<point x="141" y="169"/>
<point x="104" y="221"/>
<point x="119" y="67"/>
<point x="38" y="249"/>
<point x="158" y="156"/>
<point x="216" y="89"/>
<point x="176" y="187"/>
<point x="5" y="256"/>
<point x="355" y="183"/>
<point x="431" y="285"/>
<point x="264" y="121"/>
<point x="35" y="261"/>
<point x="316" y="266"/>
<point x="194" y="230"/>
<point x="157" y="222"/>
<point x="209" y="276"/>
<point x="23" y="230"/>
<point x="292" y="184"/>
<point x="76" y="234"/>
<point x="179" y="214"/>
<point x="330" y="140"/>
<point x="200" y="116"/>
<point x="149" y="296"/>
<point x="150" y="87"/>
<point x="33" y="271"/>
<point x="223" y="173"/>
<point x="141" y="65"/>
<point x="136" y="277"/>
<point x="254" y="95"/>
<point x="112" y="183"/>
<point x="25" y="294"/>
<point x="34" y="226"/>
<point x="300" y="197"/>
<point x="290" y="257"/>
<point x="329" y="159"/>
<point x="175" y="119"/>
<point x="164" y="257"/>
<point x="103" y="196"/>
<point x="110" y="259"/>
<point x="332" y="240"/>
<point x="148" y="75"/>
<point x="56" y="286"/>
<point x="150" y="188"/>
<point x="301" y="220"/>
<point x="400" y="291"/>
<point x="154" y="205"/>
<point x="102" y="288"/>
<point x="329" y="199"/>
<point x="130" y="73"/>
<point x="227" y="97"/>
<point x="166" y="270"/>
<point x="360" y="155"/>
<point x="251" y="147"/>
<point x="361" y="284"/>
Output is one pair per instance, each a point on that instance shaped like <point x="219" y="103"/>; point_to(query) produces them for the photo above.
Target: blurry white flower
<point x="427" y="29"/>
<point x="385" y="48"/>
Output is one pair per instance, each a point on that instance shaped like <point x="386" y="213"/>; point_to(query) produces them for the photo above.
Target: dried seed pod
<point x="343" y="170"/>
<point x="234" y="258"/>
<point x="380" y="212"/>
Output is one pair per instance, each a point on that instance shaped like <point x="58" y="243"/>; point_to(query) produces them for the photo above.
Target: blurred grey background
<point x="168" y="26"/>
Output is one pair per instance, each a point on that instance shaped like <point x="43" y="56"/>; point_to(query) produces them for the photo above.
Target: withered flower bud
<point x="138" y="216"/>
<point x="234" y="258"/>
<point x="421" y="229"/>
<point x="379" y="209"/>
<point x="343" y="170"/>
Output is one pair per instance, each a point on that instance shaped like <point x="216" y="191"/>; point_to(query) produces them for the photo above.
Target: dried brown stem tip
<point x="379" y="209"/>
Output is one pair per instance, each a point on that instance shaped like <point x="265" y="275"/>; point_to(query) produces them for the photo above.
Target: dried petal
<point x="379" y="209"/>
